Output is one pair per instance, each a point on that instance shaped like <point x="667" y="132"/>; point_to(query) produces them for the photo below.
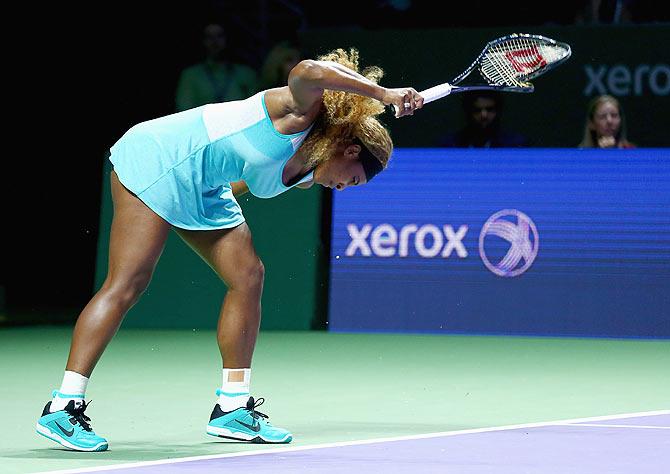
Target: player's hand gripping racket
<point x="506" y="64"/>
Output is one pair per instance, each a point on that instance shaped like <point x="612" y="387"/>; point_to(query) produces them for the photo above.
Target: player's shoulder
<point x="279" y="99"/>
<point x="281" y="104"/>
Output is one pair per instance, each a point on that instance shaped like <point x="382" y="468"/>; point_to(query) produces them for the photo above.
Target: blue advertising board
<point x="550" y="242"/>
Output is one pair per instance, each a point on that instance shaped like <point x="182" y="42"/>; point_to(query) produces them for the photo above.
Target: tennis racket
<point x="506" y="64"/>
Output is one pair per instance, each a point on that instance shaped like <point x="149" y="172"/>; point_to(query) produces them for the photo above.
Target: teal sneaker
<point x="70" y="428"/>
<point x="246" y="424"/>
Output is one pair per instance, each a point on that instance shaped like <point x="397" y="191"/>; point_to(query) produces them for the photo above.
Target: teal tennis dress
<point x="181" y="165"/>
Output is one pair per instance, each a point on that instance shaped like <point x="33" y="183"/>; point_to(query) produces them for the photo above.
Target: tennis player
<point x="183" y="172"/>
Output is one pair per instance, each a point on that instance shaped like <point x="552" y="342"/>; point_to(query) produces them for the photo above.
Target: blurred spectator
<point x="605" y="125"/>
<point x="216" y="78"/>
<point x="604" y="11"/>
<point x="277" y="65"/>
<point x="483" y="112"/>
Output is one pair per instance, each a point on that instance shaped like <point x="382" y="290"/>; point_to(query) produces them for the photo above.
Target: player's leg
<point x="137" y="239"/>
<point x="231" y="254"/>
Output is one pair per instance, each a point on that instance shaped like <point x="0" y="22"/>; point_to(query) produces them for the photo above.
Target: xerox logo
<point x="508" y="243"/>
<point x="623" y="80"/>
<point x="386" y="241"/>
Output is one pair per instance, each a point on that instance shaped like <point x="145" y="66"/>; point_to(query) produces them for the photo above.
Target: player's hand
<point x="405" y="100"/>
<point x="606" y="142"/>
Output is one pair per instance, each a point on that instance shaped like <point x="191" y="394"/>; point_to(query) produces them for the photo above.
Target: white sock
<point x="72" y="388"/>
<point x="234" y="395"/>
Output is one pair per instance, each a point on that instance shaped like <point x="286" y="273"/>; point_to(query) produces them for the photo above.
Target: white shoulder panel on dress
<point x="297" y="140"/>
<point x="227" y="118"/>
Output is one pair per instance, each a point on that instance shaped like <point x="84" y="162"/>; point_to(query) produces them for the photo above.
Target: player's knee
<point x="250" y="276"/>
<point x="255" y="274"/>
<point x="127" y="291"/>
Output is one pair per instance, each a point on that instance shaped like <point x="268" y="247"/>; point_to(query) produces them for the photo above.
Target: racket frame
<point x="447" y="88"/>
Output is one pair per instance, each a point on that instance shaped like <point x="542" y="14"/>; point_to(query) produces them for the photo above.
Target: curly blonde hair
<point x="346" y="116"/>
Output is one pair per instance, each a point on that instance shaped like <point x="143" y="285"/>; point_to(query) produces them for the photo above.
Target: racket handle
<point x="436" y="92"/>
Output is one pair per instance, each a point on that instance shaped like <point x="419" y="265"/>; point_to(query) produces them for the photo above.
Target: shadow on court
<point x="127" y="452"/>
<point x="133" y="451"/>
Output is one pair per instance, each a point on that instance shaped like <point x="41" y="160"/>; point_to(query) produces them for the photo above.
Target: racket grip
<point x="436" y="92"/>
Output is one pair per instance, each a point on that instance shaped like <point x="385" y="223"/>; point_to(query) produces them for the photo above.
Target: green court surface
<point x="153" y="391"/>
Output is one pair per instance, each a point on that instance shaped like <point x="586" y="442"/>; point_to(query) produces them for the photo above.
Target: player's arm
<point x="309" y="78"/>
<point x="239" y="188"/>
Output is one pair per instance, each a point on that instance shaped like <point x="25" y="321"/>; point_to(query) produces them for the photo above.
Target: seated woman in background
<point x="605" y="124"/>
<point x="278" y="63"/>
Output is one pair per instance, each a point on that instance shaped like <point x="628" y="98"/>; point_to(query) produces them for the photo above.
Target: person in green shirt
<point x="216" y="78"/>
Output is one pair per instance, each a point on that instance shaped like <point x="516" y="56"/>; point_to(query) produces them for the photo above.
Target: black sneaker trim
<point x="217" y="412"/>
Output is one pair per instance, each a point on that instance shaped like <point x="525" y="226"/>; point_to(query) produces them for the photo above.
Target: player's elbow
<point x="307" y="71"/>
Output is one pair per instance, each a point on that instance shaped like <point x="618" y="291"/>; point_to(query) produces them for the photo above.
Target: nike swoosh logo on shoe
<point x="255" y="428"/>
<point x="67" y="432"/>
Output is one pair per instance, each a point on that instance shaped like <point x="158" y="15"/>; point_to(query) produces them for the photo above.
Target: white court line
<point x="356" y="443"/>
<point x="602" y="425"/>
